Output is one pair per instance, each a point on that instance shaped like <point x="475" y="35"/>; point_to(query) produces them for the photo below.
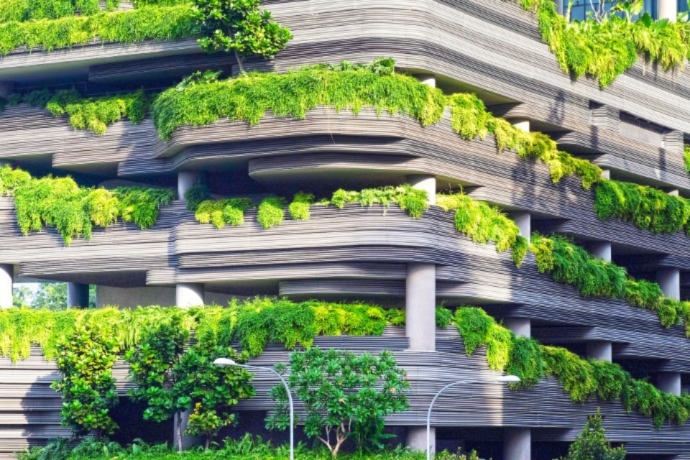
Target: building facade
<point x="634" y="129"/>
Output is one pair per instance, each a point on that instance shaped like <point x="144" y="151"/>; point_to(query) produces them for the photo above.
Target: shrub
<point x="592" y="444"/>
<point x="271" y="212"/>
<point x="220" y="213"/>
<point x="299" y="208"/>
<point x="196" y="194"/>
<point x="340" y="404"/>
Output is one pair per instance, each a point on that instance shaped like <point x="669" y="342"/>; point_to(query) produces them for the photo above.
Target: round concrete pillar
<point x="524" y="222"/>
<point x="416" y="439"/>
<point x="517" y="444"/>
<point x="522" y="123"/>
<point x="602" y="351"/>
<point x="6" y="283"/>
<point x="606" y="174"/>
<point x="420" y="306"/>
<point x="669" y="382"/>
<point x="601" y="250"/>
<point x="427" y="79"/>
<point x="521" y="327"/>
<point x="674" y="192"/>
<point x="77" y="295"/>
<point x="559" y="6"/>
<point x="669" y="280"/>
<point x="185" y="179"/>
<point x="426" y="183"/>
<point x="667" y="9"/>
<point x="189" y="295"/>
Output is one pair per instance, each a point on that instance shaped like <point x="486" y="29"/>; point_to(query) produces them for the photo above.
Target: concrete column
<point x="6" y="88"/>
<point x="524" y="222"/>
<point x="416" y="439"/>
<point x="427" y="79"/>
<point x="602" y="351"/>
<point x="559" y="6"/>
<point x="426" y="183"/>
<point x="521" y="327"/>
<point x="420" y="306"/>
<point x="673" y="192"/>
<point x="601" y="250"/>
<point x="669" y="382"/>
<point x="517" y="444"/>
<point x="667" y="9"/>
<point x="669" y="280"/>
<point x="189" y="295"/>
<point x="6" y="283"/>
<point x="522" y="123"/>
<point x="77" y="295"/>
<point x="185" y="179"/>
<point x="606" y="174"/>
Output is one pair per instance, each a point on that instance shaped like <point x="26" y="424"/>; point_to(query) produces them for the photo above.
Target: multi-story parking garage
<point x="634" y="130"/>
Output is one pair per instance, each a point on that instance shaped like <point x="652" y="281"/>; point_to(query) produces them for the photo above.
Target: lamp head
<point x="224" y="362"/>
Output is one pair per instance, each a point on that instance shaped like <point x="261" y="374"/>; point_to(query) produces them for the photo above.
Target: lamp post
<point x="226" y="362"/>
<point x="502" y="379"/>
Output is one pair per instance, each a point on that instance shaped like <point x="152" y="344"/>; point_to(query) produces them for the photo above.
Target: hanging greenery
<point x="583" y="379"/>
<point x="645" y="207"/>
<point x="145" y="23"/>
<point x="592" y="277"/>
<point x="73" y="210"/>
<point x="606" y="46"/>
<point x="100" y="336"/>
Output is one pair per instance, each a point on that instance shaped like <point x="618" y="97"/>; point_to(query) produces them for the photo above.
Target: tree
<point x="151" y="363"/>
<point x="592" y="444"/>
<point x="241" y="27"/>
<point x="22" y="296"/>
<point x="344" y="395"/>
<point x="52" y="296"/>
<point x="213" y="390"/>
<point x="85" y="360"/>
<point x="170" y="380"/>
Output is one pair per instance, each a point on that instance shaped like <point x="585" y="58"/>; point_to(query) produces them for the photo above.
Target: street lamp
<point x="226" y="362"/>
<point x="502" y="379"/>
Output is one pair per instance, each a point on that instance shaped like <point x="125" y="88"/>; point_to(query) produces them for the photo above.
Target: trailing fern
<point x="582" y="379"/>
<point x="73" y="210"/>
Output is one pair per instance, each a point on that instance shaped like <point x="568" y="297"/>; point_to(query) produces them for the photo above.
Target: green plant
<point x="85" y="360"/>
<point x="239" y="26"/>
<point x="344" y="395"/>
<point x="271" y="212"/>
<point x="686" y="157"/>
<point x="213" y="390"/>
<point x="582" y="379"/>
<point x="483" y="224"/>
<point x="299" y="207"/>
<point x="608" y="45"/>
<point x="647" y="208"/>
<point x="196" y="194"/>
<point x="151" y="364"/>
<point x="409" y="199"/>
<point x="73" y="210"/>
<point x="220" y="213"/>
<point x="592" y="444"/>
<point x="145" y="23"/>
<point x="570" y="264"/>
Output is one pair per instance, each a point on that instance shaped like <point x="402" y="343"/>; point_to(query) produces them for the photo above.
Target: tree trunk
<point x="239" y="62"/>
<point x="178" y="430"/>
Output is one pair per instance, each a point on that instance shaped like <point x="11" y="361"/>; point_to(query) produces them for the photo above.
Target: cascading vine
<point x="255" y="323"/>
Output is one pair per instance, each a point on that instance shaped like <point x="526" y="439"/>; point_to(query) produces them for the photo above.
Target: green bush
<point x="271" y="212"/>
<point x="582" y="379"/>
<point x="607" y="47"/>
<point x="645" y="207"/>
<point x="592" y="277"/>
<point x="220" y="213"/>
<point x="196" y="194"/>
<point x="592" y="444"/>
<point x="299" y="207"/>
<point x="146" y="23"/>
